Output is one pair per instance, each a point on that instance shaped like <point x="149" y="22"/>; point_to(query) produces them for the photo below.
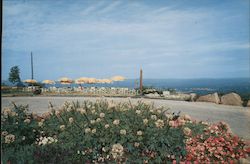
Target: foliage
<point x="100" y="132"/>
<point x="14" y="74"/>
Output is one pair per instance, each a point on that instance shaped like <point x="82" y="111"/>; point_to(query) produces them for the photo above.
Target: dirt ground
<point x="237" y="117"/>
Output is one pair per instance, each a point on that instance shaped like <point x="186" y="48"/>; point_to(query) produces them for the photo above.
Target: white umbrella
<point x="117" y="78"/>
<point x="48" y="82"/>
<point x="30" y="81"/>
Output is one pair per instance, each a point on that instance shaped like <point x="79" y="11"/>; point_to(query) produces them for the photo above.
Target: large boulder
<point x="194" y="96"/>
<point x="248" y="103"/>
<point x="166" y="93"/>
<point x="231" y="99"/>
<point x="152" y="95"/>
<point x="214" y="98"/>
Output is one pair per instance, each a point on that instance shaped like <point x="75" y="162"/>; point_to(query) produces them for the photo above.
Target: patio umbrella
<point x="48" y="82"/>
<point x="30" y="81"/>
<point x="65" y="80"/>
<point x="108" y="81"/>
<point x="117" y="78"/>
<point x="92" y="80"/>
<point x="87" y="80"/>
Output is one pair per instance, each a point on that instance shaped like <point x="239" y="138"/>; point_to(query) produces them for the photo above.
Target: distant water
<point x="200" y="86"/>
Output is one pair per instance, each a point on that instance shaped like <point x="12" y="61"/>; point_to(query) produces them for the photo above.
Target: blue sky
<point x="102" y="38"/>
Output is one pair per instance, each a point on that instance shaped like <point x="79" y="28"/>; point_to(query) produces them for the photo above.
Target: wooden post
<point x="141" y="81"/>
<point x="32" y="75"/>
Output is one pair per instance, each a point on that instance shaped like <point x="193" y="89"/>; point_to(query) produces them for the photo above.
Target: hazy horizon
<point x="168" y="39"/>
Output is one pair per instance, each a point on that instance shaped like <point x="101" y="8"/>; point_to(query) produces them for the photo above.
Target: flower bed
<point x="103" y="132"/>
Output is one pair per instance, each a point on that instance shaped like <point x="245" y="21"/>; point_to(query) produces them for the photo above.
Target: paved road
<point x="237" y="117"/>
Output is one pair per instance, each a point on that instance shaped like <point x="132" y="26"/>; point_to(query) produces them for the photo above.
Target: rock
<point x="148" y="91"/>
<point x="231" y="99"/>
<point x="179" y="96"/>
<point x="152" y="95"/>
<point x="248" y="103"/>
<point x="166" y="93"/>
<point x="194" y="96"/>
<point x="210" y="98"/>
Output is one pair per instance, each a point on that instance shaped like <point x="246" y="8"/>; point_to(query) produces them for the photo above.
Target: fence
<point x="105" y="91"/>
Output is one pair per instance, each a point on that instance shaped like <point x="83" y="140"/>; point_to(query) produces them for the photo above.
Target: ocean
<point x="200" y="86"/>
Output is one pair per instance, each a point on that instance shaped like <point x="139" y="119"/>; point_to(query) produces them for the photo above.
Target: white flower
<point x="169" y="116"/>
<point x="62" y="127"/>
<point x="40" y="124"/>
<point x="153" y="117"/>
<point x="136" y="144"/>
<point x="70" y="108"/>
<point x="23" y="138"/>
<point x="92" y="121"/>
<point x="87" y="130"/>
<point x="117" y="151"/>
<point x="104" y="149"/>
<point x="106" y="126"/>
<point x="9" y="138"/>
<point x="4" y="133"/>
<point x="102" y="115"/>
<point x="145" y="121"/>
<point x="111" y="105"/>
<point x="98" y="120"/>
<point x="139" y="133"/>
<point x="93" y="111"/>
<point x="46" y="140"/>
<point x="27" y="121"/>
<point x="71" y="120"/>
<point x="159" y="111"/>
<point x="159" y="123"/>
<point x="187" y="131"/>
<point x="93" y="131"/>
<point x="81" y="110"/>
<point x="138" y="112"/>
<point x="57" y="113"/>
<point x="116" y="122"/>
<point x="123" y="132"/>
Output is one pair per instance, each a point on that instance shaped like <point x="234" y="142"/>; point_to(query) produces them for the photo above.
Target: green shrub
<point x="101" y="132"/>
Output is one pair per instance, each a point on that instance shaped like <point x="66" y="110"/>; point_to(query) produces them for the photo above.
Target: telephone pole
<point x="141" y="81"/>
<point x="32" y="75"/>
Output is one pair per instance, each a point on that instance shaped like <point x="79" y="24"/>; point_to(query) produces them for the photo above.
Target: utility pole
<point x="141" y="81"/>
<point x="32" y="75"/>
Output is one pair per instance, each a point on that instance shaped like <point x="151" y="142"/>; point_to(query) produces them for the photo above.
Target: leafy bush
<point x="101" y="132"/>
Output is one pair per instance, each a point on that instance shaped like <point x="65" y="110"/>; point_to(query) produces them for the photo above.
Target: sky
<point x="103" y="38"/>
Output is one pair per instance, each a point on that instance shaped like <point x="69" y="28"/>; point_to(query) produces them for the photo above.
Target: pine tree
<point x="14" y="75"/>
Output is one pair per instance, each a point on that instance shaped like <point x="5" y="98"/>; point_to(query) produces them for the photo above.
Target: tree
<point x="14" y="75"/>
